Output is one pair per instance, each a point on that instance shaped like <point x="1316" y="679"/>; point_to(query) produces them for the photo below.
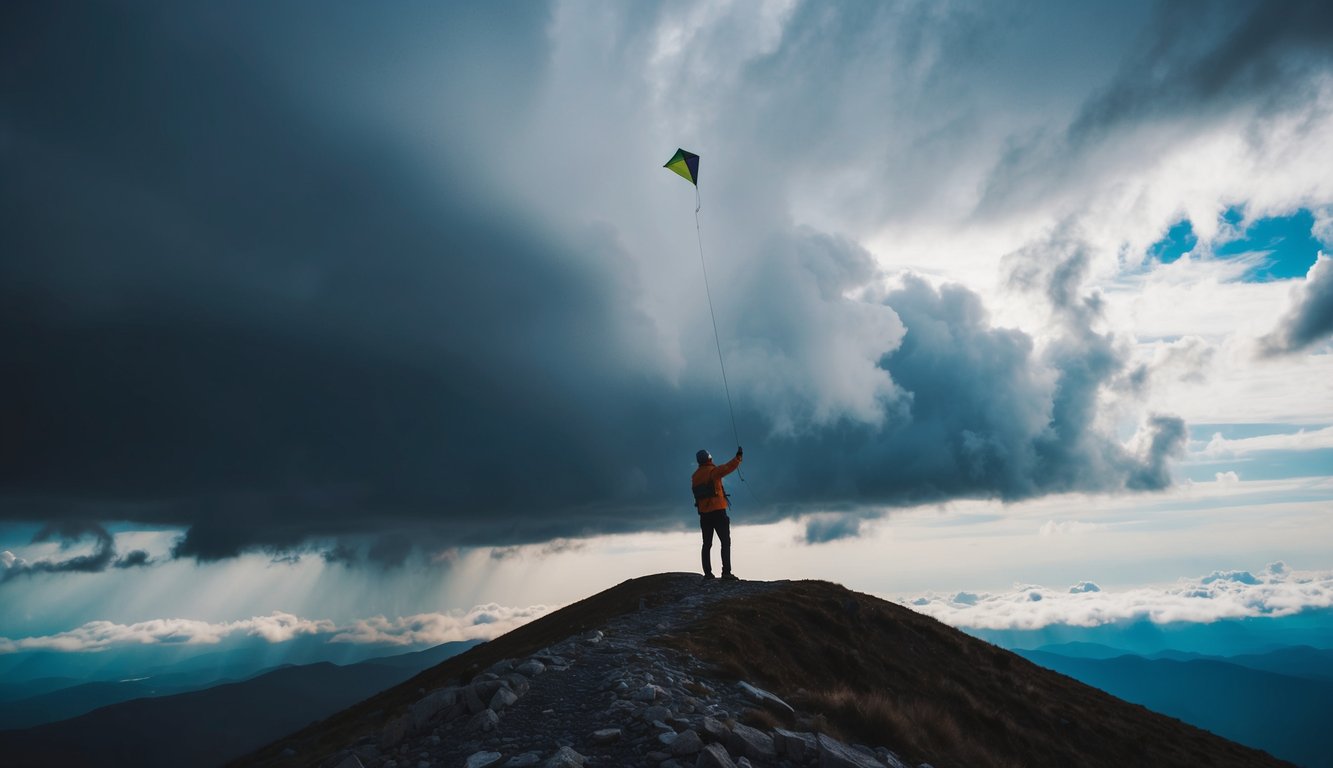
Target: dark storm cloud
<point x="234" y="304"/>
<point x="823" y="529"/>
<point x="1195" y="61"/>
<point x="132" y="559"/>
<point x="1310" y="320"/>
<point x="262" y="326"/>
<point x="1206" y="56"/>
<point x="70" y="533"/>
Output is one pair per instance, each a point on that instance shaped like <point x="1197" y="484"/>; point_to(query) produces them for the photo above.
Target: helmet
<point x="702" y="457"/>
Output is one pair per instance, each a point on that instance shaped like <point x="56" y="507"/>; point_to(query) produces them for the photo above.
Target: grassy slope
<point x="883" y="674"/>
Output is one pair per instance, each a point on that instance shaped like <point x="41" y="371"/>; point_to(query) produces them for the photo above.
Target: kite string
<point x="717" y="339"/>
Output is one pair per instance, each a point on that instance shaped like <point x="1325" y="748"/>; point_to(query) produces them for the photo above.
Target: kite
<point x="686" y="164"/>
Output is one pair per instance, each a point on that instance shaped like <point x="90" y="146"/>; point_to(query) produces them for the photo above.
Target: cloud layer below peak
<point x="1275" y="591"/>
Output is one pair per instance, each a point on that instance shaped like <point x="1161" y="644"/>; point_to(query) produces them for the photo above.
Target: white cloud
<point x="480" y="623"/>
<point x="1068" y="528"/>
<point x="276" y="627"/>
<point x="1221" y="447"/>
<point x="1275" y="591"/>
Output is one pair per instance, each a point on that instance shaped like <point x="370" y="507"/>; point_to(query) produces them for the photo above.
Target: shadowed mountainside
<point x="1283" y="714"/>
<point x="208" y="727"/>
<point x="869" y="669"/>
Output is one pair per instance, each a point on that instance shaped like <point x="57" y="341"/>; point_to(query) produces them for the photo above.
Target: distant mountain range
<point x="1278" y="701"/>
<point x="151" y="723"/>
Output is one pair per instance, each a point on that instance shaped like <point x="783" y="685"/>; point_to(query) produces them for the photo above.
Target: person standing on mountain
<point x="711" y="501"/>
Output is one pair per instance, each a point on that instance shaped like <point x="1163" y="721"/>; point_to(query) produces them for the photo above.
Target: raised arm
<point x="730" y="466"/>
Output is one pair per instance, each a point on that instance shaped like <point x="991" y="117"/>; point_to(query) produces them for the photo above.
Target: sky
<point x="388" y="325"/>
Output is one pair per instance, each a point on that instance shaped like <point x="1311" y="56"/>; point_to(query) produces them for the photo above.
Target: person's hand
<point x="740" y="451"/>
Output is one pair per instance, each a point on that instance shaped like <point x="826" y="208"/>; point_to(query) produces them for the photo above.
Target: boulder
<point x="427" y="708"/>
<point x="605" y="735"/>
<point x="686" y="743"/>
<point x="530" y="668"/>
<point x="795" y="746"/>
<point x="482" y="760"/>
<point x="767" y="699"/>
<point x="565" y="757"/>
<point x="517" y="683"/>
<point x="351" y="761"/>
<point x="890" y="758"/>
<point x="654" y="713"/>
<point x="752" y="743"/>
<point x="484" y="721"/>
<point x="651" y="692"/>
<point x="716" y="730"/>
<point x="472" y="699"/>
<point x="503" y="698"/>
<point x="394" y="732"/>
<point x="486" y="688"/>
<point x="835" y="754"/>
<point x="714" y="756"/>
<point x="525" y="760"/>
<point x="501" y="667"/>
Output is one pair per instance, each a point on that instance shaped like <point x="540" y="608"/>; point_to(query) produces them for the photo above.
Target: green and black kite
<point x="686" y="164"/>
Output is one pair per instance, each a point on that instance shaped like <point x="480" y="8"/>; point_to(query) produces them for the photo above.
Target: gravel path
<point x="606" y="698"/>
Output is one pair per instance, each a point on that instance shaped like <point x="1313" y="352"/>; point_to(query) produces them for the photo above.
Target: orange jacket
<point x="707" y="485"/>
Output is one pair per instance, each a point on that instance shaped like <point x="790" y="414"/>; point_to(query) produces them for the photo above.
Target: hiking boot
<point x="708" y="576"/>
<point x="729" y="577"/>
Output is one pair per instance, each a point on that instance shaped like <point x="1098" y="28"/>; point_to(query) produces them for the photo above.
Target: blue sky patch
<point x="1263" y="465"/>
<point x="1205" y="432"/>
<point x="1289" y="240"/>
<point x="1180" y="240"/>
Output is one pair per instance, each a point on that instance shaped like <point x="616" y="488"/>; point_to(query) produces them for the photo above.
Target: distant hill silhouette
<point x="208" y="727"/>
<point x="1298" y="661"/>
<point x="75" y="700"/>
<point x="1285" y="715"/>
<point x="871" y="670"/>
<point x="1080" y="650"/>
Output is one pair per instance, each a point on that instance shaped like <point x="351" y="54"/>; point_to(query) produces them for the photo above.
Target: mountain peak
<point x="671" y="670"/>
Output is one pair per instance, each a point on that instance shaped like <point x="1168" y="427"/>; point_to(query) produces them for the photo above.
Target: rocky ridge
<point x="609" y="697"/>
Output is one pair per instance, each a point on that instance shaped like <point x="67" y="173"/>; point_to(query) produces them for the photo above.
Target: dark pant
<point x="719" y="522"/>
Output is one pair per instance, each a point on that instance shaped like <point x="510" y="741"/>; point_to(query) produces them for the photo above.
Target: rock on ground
<point x="795" y="746"/>
<point x="351" y="761"/>
<point x="686" y="743"/>
<point x="714" y="756"/>
<point x="565" y="757"/>
<point x="752" y="743"/>
<point x="482" y="760"/>
<point x="835" y="754"/>
<point x="767" y="699"/>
